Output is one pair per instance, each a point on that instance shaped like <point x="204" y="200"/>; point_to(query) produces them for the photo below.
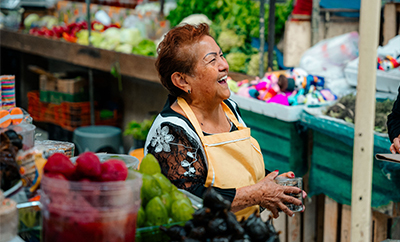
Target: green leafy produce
<point x="139" y="130"/>
<point x="345" y="109"/>
<point x="131" y="36"/>
<point x="228" y="39"/>
<point x="253" y="68"/>
<point x="236" y="61"/>
<point x="124" y="48"/>
<point x="146" y="47"/>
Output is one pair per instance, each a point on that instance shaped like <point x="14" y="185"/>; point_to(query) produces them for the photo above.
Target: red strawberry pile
<point x="90" y="209"/>
<point x="87" y="168"/>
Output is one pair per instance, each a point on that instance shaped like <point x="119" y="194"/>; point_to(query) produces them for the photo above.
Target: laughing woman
<point x="199" y="138"/>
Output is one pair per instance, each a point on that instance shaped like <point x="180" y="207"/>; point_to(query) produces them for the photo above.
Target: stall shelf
<point x="332" y="162"/>
<point x="137" y="66"/>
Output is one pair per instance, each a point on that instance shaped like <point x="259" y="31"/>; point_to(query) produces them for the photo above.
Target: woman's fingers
<point x="288" y="190"/>
<point x="304" y="194"/>
<point x="289" y="174"/>
<point x="274" y="212"/>
<point x="396" y="144"/>
<point x="392" y="149"/>
<point x="285" y="209"/>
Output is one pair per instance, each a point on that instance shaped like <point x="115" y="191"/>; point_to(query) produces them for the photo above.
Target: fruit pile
<point x="68" y="32"/>
<point x="89" y="200"/>
<point x="214" y="222"/>
<point x="88" y="168"/>
<point x="162" y="203"/>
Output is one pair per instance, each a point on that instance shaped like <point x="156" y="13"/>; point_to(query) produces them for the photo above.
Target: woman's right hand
<point x="395" y="147"/>
<point x="273" y="196"/>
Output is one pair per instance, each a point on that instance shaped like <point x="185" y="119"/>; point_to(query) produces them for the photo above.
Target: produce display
<point x="162" y="203"/>
<point x="215" y="222"/>
<point x="109" y="37"/>
<point x="234" y="25"/>
<point x="89" y="200"/>
<point x="345" y="109"/>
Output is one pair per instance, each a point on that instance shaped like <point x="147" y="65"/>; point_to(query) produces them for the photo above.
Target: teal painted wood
<point x="332" y="164"/>
<point x="283" y="147"/>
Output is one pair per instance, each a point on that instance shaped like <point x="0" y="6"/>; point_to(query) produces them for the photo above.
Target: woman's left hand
<point x="290" y="174"/>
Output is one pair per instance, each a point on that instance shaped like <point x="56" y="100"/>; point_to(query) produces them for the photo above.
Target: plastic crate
<point x="68" y="115"/>
<point x="332" y="163"/>
<point x="282" y="143"/>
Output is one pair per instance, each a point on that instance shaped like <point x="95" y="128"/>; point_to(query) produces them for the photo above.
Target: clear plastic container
<point x="90" y="211"/>
<point x="294" y="182"/>
<point x="8" y="220"/>
<point x="27" y="131"/>
<point x="50" y="147"/>
<point x="130" y="161"/>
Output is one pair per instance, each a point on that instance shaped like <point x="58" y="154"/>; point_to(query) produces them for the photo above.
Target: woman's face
<point x="208" y="82"/>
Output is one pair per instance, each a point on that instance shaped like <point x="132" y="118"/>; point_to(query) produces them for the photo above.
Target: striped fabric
<point x="7" y="92"/>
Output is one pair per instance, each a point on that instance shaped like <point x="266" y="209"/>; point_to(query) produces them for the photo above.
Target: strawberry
<point x="88" y="165"/>
<point x="113" y="170"/>
<point x="59" y="163"/>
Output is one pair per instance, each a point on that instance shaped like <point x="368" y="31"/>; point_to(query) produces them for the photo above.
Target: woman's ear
<point x="179" y="80"/>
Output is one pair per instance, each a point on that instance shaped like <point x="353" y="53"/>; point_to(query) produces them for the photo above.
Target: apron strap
<point x="192" y="117"/>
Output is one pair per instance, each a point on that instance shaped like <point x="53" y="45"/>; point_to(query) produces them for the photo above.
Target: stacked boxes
<point x="54" y="90"/>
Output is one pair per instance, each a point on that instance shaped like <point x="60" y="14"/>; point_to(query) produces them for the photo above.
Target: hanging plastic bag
<point x="329" y="57"/>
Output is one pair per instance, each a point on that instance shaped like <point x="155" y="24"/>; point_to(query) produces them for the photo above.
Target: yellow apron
<point x="234" y="158"/>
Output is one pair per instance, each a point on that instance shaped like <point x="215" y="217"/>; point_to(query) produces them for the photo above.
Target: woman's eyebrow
<point x="211" y="53"/>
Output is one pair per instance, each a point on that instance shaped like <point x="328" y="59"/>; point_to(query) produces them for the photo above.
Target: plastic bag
<point x="329" y="57"/>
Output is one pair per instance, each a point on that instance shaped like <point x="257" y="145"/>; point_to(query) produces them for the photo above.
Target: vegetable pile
<point x="234" y="24"/>
<point x="109" y="37"/>
<point x="162" y="202"/>
<point x="345" y="109"/>
<point x="214" y="222"/>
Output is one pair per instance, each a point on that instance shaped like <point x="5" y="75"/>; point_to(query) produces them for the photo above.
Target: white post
<point x="364" y="122"/>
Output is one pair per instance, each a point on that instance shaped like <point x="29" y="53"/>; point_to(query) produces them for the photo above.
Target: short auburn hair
<point x="175" y="55"/>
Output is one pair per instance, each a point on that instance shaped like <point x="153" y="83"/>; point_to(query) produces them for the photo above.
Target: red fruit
<point x="113" y="170"/>
<point x="59" y="163"/>
<point x="88" y="165"/>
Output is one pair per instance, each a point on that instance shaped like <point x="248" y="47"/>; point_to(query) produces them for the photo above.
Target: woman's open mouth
<point x="223" y="80"/>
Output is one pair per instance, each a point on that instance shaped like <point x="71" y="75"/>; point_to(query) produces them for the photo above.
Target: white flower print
<point x="162" y="139"/>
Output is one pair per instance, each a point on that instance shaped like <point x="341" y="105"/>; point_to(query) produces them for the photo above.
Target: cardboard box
<point x="46" y="83"/>
<point x="70" y="86"/>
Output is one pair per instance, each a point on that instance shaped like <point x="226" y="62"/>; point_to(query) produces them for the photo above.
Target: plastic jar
<point x="90" y="211"/>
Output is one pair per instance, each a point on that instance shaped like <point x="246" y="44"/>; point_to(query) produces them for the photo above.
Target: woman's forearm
<point x="245" y="197"/>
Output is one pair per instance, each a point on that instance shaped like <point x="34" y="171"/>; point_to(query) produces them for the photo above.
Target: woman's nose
<point x="224" y="66"/>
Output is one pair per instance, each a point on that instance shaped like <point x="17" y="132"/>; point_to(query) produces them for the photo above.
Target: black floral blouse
<point x="173" y="140"/>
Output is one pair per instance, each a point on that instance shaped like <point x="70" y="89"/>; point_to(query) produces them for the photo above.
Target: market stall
<point x="318" y="148"/>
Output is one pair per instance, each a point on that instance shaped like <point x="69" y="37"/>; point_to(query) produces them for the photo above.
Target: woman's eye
<point x="212" y="60"/>
<point x="222" y="56"/>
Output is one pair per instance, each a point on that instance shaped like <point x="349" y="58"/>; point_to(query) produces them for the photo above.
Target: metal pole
<point x="315" y="22"/>
<point x="271" y="34"/>
<point x="91" y="92"/>
<point x="364" y="122"/>
<point x="262" y="37"/>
